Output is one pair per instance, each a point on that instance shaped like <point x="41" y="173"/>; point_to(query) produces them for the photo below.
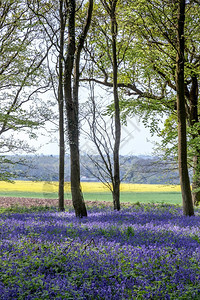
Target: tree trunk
<point x="73" y="134"/>
<point x="77" y="196"/>
<point x="116" y="195"/>
<point x="195" y="183"/>
<point x="192" y="97"/>
<point x="72" y="117"/>
<point x="116" y="187"/>
<point x="195" y="194"/>
<point x="61" y="157"/>
<point x="181" y="112"/>
<point x="61" y="114"/>
<point x="71" y="99"/>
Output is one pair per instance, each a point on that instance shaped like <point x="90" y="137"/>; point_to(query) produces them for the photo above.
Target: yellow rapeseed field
<point x="88" y="187"/>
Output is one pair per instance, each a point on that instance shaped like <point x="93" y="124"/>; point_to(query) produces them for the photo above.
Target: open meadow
<point x="132" y="193"/>
<point x="144" y="251"/>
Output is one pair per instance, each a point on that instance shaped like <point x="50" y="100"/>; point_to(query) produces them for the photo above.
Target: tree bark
<point x="110" y="7"/>
<point x="72" y="117"/>
<point x="116" y="187"/>
<point x="192" y="96"/>
<point x="71" y="87"/>
<point x="195" y="183"/>
<point x="188" y="209"/>
<point x="61" y="113"/>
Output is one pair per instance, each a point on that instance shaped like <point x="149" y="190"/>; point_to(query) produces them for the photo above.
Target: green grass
<point x="143" y="197"/>
<point x="29" y="195"/>
<point x="23" y="209"/>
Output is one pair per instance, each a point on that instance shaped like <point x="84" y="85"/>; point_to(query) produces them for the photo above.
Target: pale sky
<point x="134" y="141"/>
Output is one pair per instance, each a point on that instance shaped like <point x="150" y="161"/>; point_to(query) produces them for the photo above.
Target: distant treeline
<point x="134" y="169"/>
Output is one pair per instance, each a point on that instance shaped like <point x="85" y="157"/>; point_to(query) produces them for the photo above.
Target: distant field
<point x="94" y="191"/>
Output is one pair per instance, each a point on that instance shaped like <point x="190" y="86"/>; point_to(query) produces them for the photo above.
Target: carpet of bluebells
<point x="141" y="252"/>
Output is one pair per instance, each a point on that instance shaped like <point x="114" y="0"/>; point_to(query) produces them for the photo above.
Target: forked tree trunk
<point x="71" y="87"/>
<point x="181" y="112"/>
<point x="72" y="116"/>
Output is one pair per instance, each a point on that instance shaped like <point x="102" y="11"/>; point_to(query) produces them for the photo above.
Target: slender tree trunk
<point x="110" y="7"/>
<point x="181" y="111"/>
<point x="116" y="187"/>
<point x="196" y="181"/>
<point x="77" y="195"/>
<point x="192" y="97"/>
<point x="61" y="113"/>
<point x="61" y="160"/>
<point x="61" y="157"/>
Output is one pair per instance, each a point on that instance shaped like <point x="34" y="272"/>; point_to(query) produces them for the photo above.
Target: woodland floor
<point x="30" y="202"/>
